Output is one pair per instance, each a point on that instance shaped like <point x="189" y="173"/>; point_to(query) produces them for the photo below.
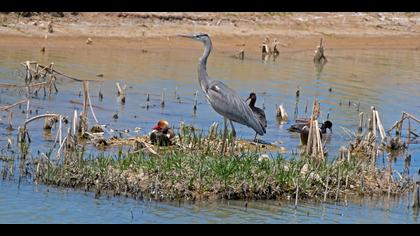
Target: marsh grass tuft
<point x="193" y="169"/>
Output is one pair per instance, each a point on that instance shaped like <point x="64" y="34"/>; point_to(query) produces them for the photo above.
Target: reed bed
<point x="198" y="172"/>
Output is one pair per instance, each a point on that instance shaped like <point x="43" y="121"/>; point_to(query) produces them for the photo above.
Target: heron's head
<point x="199" y="37"/>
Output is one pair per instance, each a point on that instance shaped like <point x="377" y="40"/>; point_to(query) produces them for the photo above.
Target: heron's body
<point x="227" y="103"/>
<point x="223" y="99"/>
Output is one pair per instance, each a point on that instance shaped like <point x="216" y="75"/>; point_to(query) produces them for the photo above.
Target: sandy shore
<point x="230" y="32"/>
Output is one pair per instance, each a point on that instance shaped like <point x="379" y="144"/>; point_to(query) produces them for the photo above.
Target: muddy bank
<point x="230" y="32"/>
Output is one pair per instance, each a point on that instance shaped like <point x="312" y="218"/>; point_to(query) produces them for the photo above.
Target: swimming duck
<point x="161" y="134"/>
<point x="258" y="112"/>
<point x="303" y="129"/>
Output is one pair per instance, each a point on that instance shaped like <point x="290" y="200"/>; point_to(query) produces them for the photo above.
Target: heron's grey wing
<point x="226" y="102"/>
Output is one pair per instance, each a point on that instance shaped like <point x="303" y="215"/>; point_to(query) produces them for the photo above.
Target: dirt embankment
<point x="230" y="31"/>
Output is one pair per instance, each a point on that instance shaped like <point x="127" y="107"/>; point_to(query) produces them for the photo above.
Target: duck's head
<point x="162" y="124"/>
<point x="327" y="125"/>
<point x="252" y="97"/>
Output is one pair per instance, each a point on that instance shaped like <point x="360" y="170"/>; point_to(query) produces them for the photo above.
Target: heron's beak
<point x="246" y="100"/>
<point x="190" y="36"/>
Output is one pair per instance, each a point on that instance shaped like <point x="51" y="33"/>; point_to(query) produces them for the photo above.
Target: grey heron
<point x="257" y="111"/>
<point x="223" y="99"/>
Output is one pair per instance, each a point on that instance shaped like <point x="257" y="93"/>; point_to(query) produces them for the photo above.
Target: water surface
<point x="386" y="79"/>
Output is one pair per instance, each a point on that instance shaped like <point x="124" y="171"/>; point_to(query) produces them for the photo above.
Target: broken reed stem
<point x="60" y="148"/>
<point x="83" y="126"/>
<point x="297" y="191"/>
<point x="59" y="128"/>
<point x="8" y="107"/>
<point x="380" y="127"/>
<point x="91" y="108"/>
<point x="10" y="119"/>
<point x="121" y="92"/>
<point x="310" y="136"/>
<point x="338" y="184"/>
<point x="411" y="117"/>
<point x="40" y="117"/>
<point x="373" y="121"/>
<point x="326" y="186"/>
<point x="360" y="129"/>
<point x="319" y="143"/>
<point x="162" y="101"/>
<point x="27" y="109"/>
<point x="195" y="101"/>
<point x="67" y="76"/>
<point x="416" y="196"/>
<point x="314" y="146"/>
<point x="281" y="113"/>
<point x="409" y="131"/>
<point x="74" y="122"/>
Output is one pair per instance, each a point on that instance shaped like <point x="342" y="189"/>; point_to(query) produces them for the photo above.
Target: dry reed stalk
<point x="319" y="57"/>
<point x="10" y="119"/>
<point x="47" y="68"/>
<point x="373" y="120"/>
<point x="360" y="129"/>
<point x="314" y="146"/>
<point x="195" y="101"/>
<point x="409" y="131"/>
<point x="75" y="122"/>
<point x="162" y="101"/>
<point x="416" y="197"/>
<point x="40" y="117"/>
<point x="8" y="107"/>
<point x="281" y="113"/>
<point x="380" y="127"/>
<point x="326" y="186"/>
<point x="297" y="191"/>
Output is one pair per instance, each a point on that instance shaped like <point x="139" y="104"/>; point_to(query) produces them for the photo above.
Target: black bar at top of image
<point x="210" y="5"/>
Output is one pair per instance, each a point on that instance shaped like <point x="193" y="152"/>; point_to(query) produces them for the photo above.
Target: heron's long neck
<point x="202" y="67"/>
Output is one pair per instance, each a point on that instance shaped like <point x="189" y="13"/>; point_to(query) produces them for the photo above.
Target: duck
<point x="258" y="112"/>
<point x="303" y="129"/>
<point x="161" y="134"/>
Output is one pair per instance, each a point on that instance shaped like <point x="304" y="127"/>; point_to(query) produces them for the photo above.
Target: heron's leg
<point x="255" y="138"/>
<point x="224" y="136"/>
<point x="233" y="136"/>
<point x="233" y="129"/>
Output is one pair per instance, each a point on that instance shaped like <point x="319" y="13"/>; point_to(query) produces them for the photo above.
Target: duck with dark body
<point x="257" y="111"/>
<point x="303" y="129"/>
<point x="161" y="134"/>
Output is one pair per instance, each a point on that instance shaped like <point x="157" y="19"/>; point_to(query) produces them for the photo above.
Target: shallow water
<point x="386" y="79"/>
<point x="41" y="204"/>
